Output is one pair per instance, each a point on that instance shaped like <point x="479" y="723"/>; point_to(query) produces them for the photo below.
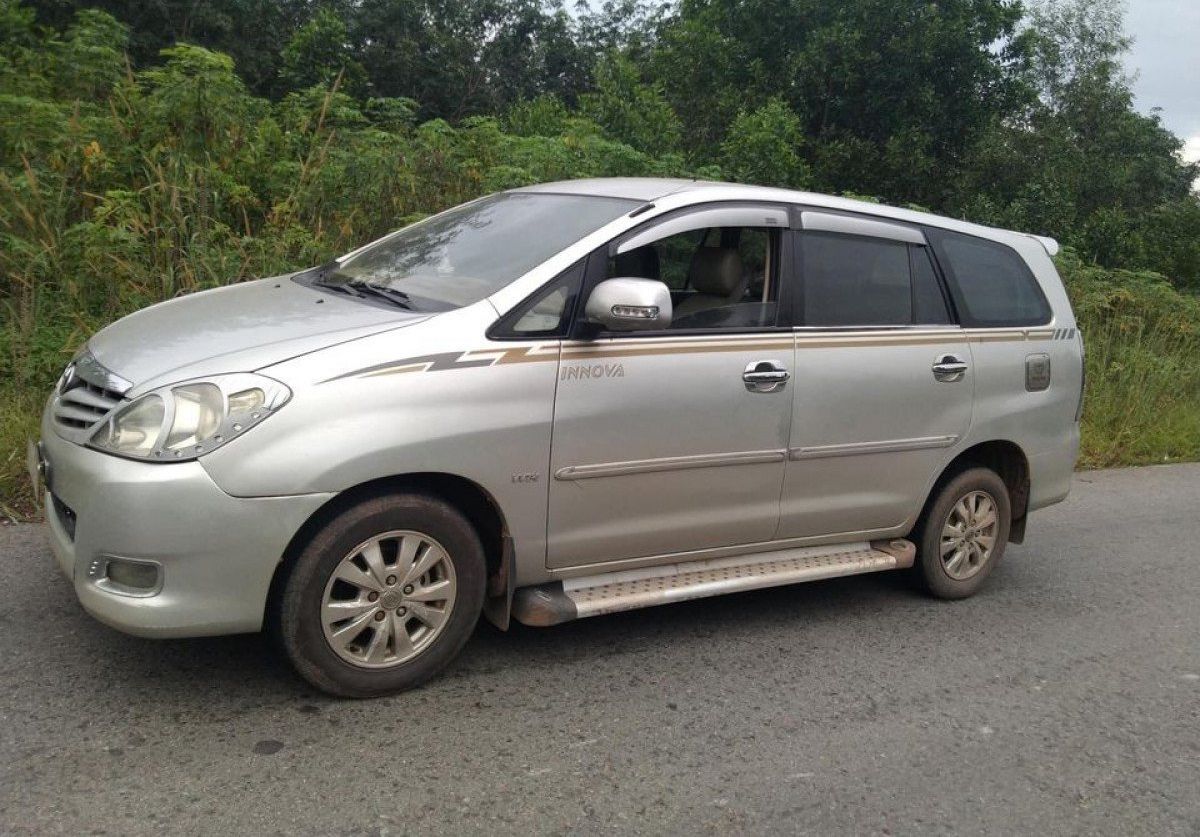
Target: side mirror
<point x="630" y="305"/>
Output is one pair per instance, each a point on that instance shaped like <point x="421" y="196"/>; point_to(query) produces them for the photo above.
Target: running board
<point x="575" y="598"/>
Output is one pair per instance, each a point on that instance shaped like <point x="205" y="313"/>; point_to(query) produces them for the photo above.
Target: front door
<point x="883" y="385"/>
<point x="661" y="445"/>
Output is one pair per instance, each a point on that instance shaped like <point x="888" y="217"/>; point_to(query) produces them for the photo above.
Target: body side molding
<point x="886" y="446"/>
<point x="668" y="463"/>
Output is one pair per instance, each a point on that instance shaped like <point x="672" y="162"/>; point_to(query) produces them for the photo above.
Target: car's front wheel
<point x="963" y="533"/>
<point x="383" y="597"/>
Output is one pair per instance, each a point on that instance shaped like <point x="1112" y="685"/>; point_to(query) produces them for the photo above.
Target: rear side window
<point x="858" y="281"/>
<point x="991" y="284"/>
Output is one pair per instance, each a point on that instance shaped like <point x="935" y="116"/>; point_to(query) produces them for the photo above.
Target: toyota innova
<point x="557" y="402"/>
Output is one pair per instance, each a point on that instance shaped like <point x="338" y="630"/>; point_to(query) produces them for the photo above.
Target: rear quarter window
<point x="990" y="282"/>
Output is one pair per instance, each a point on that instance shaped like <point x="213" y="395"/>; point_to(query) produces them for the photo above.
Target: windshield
<point x="474" y="250"/>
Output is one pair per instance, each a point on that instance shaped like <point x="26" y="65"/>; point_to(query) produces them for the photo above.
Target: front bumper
<point x="217" y="552"/>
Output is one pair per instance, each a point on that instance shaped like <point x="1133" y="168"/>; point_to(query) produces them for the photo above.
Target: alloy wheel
<point x="388" y="599"/>
<point x="969" y="535"/>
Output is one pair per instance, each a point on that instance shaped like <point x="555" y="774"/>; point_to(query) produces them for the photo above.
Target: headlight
<point x="186" y="420"/>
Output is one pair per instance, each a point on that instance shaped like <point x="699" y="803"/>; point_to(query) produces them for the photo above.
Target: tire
<point x="970" y="559"/>
<point x="360" y="634"/>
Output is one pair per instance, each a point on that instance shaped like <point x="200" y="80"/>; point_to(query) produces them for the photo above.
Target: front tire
<point x="384" y="596"/>
<point x="963" y="534"/>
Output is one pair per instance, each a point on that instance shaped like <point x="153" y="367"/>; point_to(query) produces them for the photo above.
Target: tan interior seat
<point x="716" y="276"/>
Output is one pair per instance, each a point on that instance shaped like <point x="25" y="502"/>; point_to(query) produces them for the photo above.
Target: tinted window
<point x="852" y="281"/>
<point x="929" y="304"/>
<point x="474" y="250"/>
<point x="993" y="285"/>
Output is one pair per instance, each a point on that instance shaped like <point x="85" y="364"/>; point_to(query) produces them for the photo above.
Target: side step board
<point x="575" y="598"/>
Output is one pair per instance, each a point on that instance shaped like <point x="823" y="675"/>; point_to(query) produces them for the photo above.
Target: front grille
<point x="87" y="392"/>
<point x="84" y="404"/>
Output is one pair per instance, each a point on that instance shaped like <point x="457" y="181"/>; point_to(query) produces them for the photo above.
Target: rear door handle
<point x="765" y="376"/>
<point x="950" y="368"/>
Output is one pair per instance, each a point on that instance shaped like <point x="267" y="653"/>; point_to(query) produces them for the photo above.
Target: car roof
<point x="633" y="188"/>
<point x="654" y="188"/>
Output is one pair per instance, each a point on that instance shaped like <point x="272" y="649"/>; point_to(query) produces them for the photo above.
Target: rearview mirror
<point x="629" y="304"/>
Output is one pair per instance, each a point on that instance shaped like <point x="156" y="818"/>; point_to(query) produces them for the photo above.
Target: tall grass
<point x="1142" y="336"/>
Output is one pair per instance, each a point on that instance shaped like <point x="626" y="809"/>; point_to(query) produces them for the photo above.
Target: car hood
<point x="238" y="328"/>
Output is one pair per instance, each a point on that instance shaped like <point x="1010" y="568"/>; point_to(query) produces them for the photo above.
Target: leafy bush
<point x="122" y="184"/>
<point x="763" y="147"/>
<point x="121" y="189"/>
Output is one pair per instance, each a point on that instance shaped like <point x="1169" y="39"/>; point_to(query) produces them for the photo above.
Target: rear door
<point x="660" y="444"/>
<point x="883" y="380"/>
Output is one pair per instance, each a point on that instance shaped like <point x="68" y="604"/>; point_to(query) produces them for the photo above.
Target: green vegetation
<point x="149" y="150"/>
<point x="1143" y="365"/>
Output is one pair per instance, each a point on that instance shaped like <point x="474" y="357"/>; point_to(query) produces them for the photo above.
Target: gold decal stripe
<point x="397" y="370"/>
<point x="541" y="353"/>
<point x="529" y="354"/>
<point x="590" y="352"/>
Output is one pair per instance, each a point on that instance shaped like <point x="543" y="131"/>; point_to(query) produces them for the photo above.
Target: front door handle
<point x="765" y="376"/>
<point x="949" y="368"/>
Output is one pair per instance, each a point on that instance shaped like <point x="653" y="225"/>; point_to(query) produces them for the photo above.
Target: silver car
<point x="557" y="402"/>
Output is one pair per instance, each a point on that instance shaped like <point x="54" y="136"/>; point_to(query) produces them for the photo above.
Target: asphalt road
<point x="1065" y="698"/>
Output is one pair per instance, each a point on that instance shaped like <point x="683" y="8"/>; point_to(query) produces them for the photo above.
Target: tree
<point x="195" y="100"/>
<point x="319" y="54"/>
<point x="532" y="51"/>
<point x="464" y="57"/>
<point x="251" y="32"/>
<point x="762" y="147"/>
<point x="629" y="110"/>
<point x="1079" y="162"/>
<point x="886" y="80"/>
<point x="90" y="59"/>
<point x="1072" y="40"/>
<point x="626" y="26"/>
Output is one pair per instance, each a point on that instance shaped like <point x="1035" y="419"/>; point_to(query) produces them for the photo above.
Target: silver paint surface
<point x="380" y="393"/>
<point x="237" y="328"/>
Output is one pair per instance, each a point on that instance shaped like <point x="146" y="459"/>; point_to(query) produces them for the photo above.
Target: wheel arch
<point x="475" y="502"/>
<point x="1009" y="461"/>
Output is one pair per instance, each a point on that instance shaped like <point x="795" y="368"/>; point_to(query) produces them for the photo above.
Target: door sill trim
<point x="593" y="595"/>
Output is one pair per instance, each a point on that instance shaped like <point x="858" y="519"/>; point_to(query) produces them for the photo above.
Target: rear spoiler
<point x="1049" y="243"/>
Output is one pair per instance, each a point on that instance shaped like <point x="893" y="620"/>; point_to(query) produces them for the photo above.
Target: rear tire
<point x="384" y="596"/>
<point x="963" y="533"/>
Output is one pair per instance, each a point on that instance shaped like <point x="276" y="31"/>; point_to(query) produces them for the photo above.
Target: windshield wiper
<point x="357" y="288"/>
<point x="398" y="298"/>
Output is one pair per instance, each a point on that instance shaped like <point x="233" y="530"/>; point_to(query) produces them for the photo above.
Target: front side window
<point x="993" y="286"/>
<point x="470" y="252"/>
<point x="857" y="281"/>
<point x="719" y="277"/>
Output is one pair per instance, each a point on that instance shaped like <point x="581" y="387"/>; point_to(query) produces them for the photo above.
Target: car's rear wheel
<point x="383" y="597"/>
<point x="963" y="533"/>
